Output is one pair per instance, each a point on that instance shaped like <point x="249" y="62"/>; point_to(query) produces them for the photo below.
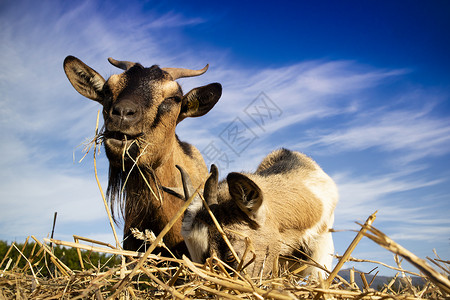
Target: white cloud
<point x="172" y="19"/>
<point x="413" y="133"/>
<point x="400" y="216"/>
<point x="343" y="77"/>
<point x="301" y="86"/>
<point x="31" y="194"/>
<point x="425" y="234"/>
<point x="286" y="87"/>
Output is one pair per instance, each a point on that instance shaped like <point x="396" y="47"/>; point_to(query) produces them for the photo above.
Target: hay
<point x="149" y="276"/>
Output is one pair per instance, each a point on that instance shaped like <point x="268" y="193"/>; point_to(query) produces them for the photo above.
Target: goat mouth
<point x="117" y="139"/>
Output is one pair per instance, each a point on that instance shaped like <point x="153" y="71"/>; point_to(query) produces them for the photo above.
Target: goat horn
<point x="211" y="186"/>
<point x="187" y="184"/>
<point x="180" y="72"/>
<point x="121" y="64"/>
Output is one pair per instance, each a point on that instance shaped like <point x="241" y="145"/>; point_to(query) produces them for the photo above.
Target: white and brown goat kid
<point x="285" y="208"/>
<point x="141" y="109"/>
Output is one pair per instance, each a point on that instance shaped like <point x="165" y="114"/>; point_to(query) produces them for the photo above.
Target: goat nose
<point x="126" y="111"/>
<point x="123" y="112"/>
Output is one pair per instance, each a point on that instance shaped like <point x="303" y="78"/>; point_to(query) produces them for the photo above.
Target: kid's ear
<point x="84" y="79"/>
<point x="199" y="101"/>
<point x="247" y="195"/>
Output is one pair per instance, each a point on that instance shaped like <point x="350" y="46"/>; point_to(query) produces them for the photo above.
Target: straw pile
<point x="149" y="276"/>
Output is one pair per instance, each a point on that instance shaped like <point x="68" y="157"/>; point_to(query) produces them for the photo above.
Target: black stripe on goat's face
<point x="140" y="114"/>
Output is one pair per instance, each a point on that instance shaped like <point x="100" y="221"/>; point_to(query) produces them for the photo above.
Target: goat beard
<point x="132" y="194"/>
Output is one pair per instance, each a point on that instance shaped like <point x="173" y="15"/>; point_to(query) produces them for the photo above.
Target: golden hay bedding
<point x="149" y="276"/>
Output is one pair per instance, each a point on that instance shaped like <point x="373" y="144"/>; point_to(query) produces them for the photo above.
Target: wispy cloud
<point x="313" y="82"/>
<point x="290" y="89"/>
<point x="173" y="19"/>
<point x="409" y="232"/>
<point x="390" y="195"/>
<point x="412" y="133"/>
<point x="31" y="192"/>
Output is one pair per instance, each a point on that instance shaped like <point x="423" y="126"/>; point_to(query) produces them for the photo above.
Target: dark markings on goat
<point x="164" y="108"/>
<point x="284" y="162"/>
<point x="187" y="148"/>
<point x="222" y="213"/>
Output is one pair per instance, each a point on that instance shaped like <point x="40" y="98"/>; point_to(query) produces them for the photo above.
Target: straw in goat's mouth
<point x="120" y="136"/>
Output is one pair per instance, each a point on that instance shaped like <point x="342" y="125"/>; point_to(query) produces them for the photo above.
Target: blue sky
<point x="361" y="86"/>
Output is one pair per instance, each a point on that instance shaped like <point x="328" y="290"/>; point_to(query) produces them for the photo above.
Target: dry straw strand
<point x="31" y="267"/>
<point x="186" y="280"/>
<point x="381" y="264"/>
<point x="350" y="248"/>
<point x="381" y="239"/>
<point x="111" y="223"/>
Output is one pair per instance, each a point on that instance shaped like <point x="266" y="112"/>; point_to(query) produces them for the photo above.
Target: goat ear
<point x="199" y="101"/>
<point x="84" y="79"/>
<point x="247" y="195"/>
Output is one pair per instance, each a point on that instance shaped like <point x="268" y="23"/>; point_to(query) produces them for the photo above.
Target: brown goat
<point x="285" y="208"/>
<point x="141" y="108"/>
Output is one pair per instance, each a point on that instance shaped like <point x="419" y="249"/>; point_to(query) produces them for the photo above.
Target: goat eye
<point x="230" y="258"/>
<point x="177" y="99"/>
